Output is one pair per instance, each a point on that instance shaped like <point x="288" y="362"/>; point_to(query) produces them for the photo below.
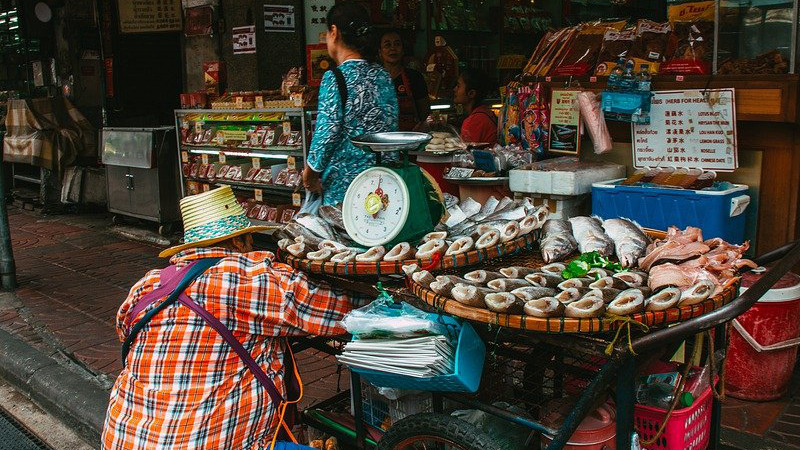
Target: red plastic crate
<point x="687" y="428"/>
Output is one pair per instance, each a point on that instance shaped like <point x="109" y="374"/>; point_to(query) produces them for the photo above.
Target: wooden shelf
<point x="759" y="98"/>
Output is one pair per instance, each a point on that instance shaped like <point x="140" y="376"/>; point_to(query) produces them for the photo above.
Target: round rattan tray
<point x="517" y="246"/>
<point x="566" y="324"/>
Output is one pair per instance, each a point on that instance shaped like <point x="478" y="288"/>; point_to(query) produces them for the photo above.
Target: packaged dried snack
<point x="294" y="179"/>
<point x="262" y="213"/>
<point x="282" y="177"/>
<point x="616" y="45"/>
<point x="186" y="168"/>
<point x="582" y="54"/>
<point x="264" y="176"/>
<point x="650" y="45"/>
<point x="223" y="171"/>
<point x="193" y="171"/>
<point x="251" y="174"/>
<point x="269" y="136"/>
<point x="272" y="214"/>
<point x="287" y="215"/>
<point x="691" y="43"/>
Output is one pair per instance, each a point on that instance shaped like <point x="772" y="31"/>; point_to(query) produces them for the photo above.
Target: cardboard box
<point x="215" y="75"/>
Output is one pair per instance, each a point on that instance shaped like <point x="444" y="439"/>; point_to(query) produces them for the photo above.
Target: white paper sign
<point x="315" y="14"/>
<point x="244" y="40"/>
<point x="279" y="18"/>
<point x="694" y="129"/>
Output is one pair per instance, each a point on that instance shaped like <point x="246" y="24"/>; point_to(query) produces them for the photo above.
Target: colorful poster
<point x="695" y="129"/>
<point x="244" y="40"/>
<point x="279" y="18"/>
<point x="565" y="122"/>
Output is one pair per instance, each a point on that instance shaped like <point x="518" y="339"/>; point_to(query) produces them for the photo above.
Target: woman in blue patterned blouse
<point x="370" y="107"/>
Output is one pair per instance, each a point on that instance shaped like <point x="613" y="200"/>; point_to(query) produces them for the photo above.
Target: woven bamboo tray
<point x="517" y="246"/>
<point x="570" y="325"/>
<point x="566" y="324"/>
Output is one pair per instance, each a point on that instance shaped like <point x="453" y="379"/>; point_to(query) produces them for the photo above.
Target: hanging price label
<point x="290" y="162"/>
<point x="297" y="200"/>
<point x="198" y="127"/>
<point x="204" y="158"/>
<point x="287" y="127"/>
<point x="206" y="187"/>
<point x="259" y="195"/>
<point x="256" y="163"/>
<point x="239" y="102"/>
<point x="222" y="158"/>
<point x="259" y="101"/>
<point x="185" y="157"/>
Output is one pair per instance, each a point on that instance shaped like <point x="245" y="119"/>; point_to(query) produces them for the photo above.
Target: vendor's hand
<point x="311" y="180"/>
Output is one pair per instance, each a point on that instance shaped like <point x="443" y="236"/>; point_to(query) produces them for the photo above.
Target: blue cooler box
<point x="718" y="213"/>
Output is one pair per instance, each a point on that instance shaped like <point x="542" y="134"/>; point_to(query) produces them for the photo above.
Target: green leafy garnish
<point x="583" y="264"/>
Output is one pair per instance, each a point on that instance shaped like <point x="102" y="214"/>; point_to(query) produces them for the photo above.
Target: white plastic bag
<point x="383" y="318"/>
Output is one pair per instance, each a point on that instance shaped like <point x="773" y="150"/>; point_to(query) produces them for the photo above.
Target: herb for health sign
<point x="695" y="129"/>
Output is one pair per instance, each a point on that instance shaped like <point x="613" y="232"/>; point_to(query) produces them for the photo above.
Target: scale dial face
<point x="375" y="207"/>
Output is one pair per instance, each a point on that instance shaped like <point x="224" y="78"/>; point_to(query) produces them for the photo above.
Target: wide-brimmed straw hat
<point x="212" y="217"/>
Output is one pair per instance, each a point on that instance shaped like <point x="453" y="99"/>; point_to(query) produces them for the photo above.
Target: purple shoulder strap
<point x="170" y="277"/>
<point x="237" y="347"/>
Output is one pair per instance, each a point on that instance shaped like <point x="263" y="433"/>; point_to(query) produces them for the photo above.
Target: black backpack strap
<point x="196" y="270"/>
<point x="341" y="84"/>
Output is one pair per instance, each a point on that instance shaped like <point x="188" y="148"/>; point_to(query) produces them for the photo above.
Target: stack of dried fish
<point x="543" y="292"/>
<point x="467" y="226"/>
<point x="622" y="237"/>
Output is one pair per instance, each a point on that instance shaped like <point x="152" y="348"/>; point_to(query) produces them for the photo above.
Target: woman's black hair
<point x="477" y="80"/>
<point x="355" y="27"/>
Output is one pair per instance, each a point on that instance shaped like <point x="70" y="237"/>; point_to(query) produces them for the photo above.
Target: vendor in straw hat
<point x="183" y="386"/>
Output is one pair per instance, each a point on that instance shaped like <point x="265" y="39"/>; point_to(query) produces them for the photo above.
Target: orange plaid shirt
<point x="183" y="386"/>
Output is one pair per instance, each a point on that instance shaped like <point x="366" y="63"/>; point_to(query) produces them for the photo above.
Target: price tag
<point x="185" y="157"/>
<point x="222" y="158"/>
<point x="296" y="199"/>
<point x="548" y="79"/>
<point x="290" y="162"/>
<point x="259" y="195"/>
<point x="593" y="79"/>
<point x="259" y="101"/>
<point x="460" y="172"/>
<point x="206" y="187"/>
<point x="198" y="127"/>
<point x="256" y="163"/>
<point x="239" y="102"/>
<point x="204" y="158"/>
<point x="679" y="78"/>
<point x="287" y="127"/>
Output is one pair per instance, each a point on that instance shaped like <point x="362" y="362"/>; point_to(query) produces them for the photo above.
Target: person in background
<point x="412" y="92"/>
<point x="357" y="97"/>
<point x="480" y="124"/>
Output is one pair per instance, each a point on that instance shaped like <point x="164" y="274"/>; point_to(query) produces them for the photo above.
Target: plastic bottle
<point x="691" y="176"/>
<point x="676" y="178"/>
<point x="615" y="79"/>
<point x="662" y="176"/>
<point x="645" y="78"/>
<point x="704" y="180"/>
<point x="635" y="177"/>
<point x="628" y="77"/>
<point x="649" y="175"/>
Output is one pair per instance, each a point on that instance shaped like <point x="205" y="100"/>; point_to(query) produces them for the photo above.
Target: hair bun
<point x="360" y="29"/>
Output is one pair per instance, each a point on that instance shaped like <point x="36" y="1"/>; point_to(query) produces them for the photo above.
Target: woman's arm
<point x="330" y="125"/>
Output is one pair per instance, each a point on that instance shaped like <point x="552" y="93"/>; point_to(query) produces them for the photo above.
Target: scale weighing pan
<point x="391" y="141"/>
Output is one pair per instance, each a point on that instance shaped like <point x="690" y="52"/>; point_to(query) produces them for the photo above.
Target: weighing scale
<point x="391" y="202"/>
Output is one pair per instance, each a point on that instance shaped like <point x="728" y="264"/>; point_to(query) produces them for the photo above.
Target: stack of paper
<point x="417" y="357"/>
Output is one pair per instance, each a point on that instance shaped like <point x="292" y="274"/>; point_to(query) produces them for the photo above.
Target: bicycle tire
<point x="437" y="427"/>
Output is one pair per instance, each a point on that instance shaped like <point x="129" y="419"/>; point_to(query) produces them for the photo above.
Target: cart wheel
<point x="166" y="229"/>
<point x="435" y="431"/>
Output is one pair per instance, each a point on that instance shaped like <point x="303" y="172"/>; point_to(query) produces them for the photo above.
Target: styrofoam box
<point x="562" y="206"/>
<point x="561" y="182"/>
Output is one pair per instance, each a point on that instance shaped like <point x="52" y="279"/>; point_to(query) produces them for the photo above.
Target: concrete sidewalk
<point x="73" y="273"/>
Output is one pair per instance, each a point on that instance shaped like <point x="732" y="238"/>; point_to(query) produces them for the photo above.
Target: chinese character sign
<point x="147" y="16"/>
<point x="316" y="14"/>
<point x="694" y="129"/>
<point x="279" y="18"/>
<point x="244" y="40"/>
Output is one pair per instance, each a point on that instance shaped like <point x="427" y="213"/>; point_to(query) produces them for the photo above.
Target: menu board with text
<point x="695" y="129"/>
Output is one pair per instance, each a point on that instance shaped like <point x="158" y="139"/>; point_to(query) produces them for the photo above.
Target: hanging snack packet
<point x="582" y="54"/>
<point x="650" y="45"/>
<point x="691" y="43"/>
<point x="556" y="46"/>
<point x="616" y="45"/>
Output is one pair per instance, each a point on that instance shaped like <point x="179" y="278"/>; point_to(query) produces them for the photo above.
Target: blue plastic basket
<point x="470" y="355"/>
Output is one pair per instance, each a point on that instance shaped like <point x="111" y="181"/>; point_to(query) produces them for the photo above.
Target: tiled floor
<point x="73" y="274"/>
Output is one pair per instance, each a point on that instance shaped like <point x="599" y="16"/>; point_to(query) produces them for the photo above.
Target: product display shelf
<point x="247" y="139"/>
